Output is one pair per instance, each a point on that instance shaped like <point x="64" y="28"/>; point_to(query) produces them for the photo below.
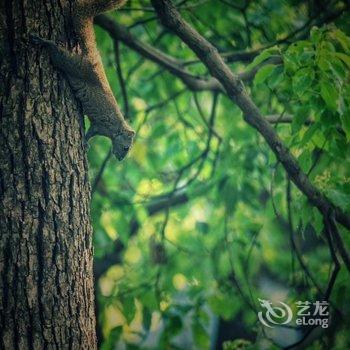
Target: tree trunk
<point x="46" y="278"/>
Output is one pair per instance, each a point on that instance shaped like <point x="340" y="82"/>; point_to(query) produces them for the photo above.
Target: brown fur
<point x="88" y="80"/>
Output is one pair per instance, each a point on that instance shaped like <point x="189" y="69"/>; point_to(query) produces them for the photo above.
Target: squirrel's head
<point x="122" y="142"/>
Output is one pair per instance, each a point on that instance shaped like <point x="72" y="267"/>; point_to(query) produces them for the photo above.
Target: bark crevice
<point x="46" y="274"/>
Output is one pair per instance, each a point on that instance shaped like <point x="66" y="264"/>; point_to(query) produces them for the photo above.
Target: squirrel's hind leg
<point x="75" y="66"/>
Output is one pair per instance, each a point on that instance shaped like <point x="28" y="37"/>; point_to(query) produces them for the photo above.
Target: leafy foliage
<point x="200" y="220"/>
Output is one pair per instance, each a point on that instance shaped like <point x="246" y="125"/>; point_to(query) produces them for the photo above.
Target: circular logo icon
<point x="274" y="315"/>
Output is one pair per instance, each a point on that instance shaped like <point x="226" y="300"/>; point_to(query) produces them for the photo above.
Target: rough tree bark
<point x="46" y="278"/>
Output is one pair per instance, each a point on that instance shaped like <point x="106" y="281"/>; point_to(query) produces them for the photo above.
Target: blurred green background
<point x="200" y="220"/>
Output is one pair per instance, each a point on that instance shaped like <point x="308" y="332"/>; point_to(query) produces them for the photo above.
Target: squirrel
<point x="87" y="78"/>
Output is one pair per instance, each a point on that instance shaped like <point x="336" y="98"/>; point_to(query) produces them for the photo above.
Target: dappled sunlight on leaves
<point x="201" y="219"/>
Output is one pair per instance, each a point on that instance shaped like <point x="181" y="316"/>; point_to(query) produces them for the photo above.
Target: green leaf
<point x="309" y="133"/>
<point x="112" y="338"/>
<point x="345" y="122"/>
<point x="317" y="221"/>
<point x="149" y="300"/>
<point x="146" y="318"/>
<point x="302" y="80"/>
<point x="276" y="77"/>
<point x="329" y="94"/>
<point x="200" y="335"/>
<point x="339" y="69"/>
<point x="228" y="192"/>
<point x="159" y="130"/>
<point x="299" y="118"/>
<point x="263" y="73"/>
<point x="304" y="160"/>
<point x="262" y="57"/>
<point x="324" y="64"/>
<point x="315" y="35"/>
<point x="345" y="58"/>
<point x="223" y="305"/>
<point x="129" y="308"/>
<point x="343" y="40"/>
<point x="339" y="198"/>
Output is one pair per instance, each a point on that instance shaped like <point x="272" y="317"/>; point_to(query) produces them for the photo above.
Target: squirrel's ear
<point x="91" y="8"/>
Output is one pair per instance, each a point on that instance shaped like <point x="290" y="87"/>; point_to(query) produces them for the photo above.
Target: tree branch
<point x="283" y="119"/>
<point x="174" y="66"/>
<point x="209" y="55"/>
